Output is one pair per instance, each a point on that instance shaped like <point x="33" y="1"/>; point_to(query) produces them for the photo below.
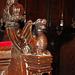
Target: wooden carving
<point x="29" y="46"/>
<point x="36" y="45"/>
<point x="24" y="39"/>
<point x="13" y="11"/>
<point x="32" y="49"/>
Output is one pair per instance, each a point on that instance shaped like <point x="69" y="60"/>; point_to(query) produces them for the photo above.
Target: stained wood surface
<point x="38" y="9"/>
<point x="67" y="58"/>
<point x="5" y="59"/>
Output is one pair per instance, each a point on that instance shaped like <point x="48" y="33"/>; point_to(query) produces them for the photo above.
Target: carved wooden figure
<point x="29" y="55"/>
<point x="38" y="44"/>
<point x="31" y="50"/>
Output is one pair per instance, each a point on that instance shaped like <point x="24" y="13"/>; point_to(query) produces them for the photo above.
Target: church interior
<point x="60" y="34"/>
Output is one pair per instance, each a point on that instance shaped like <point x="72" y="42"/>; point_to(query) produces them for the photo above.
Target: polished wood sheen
<point x="5" y="59"/>
<point x="29" y="55"/>
<point x="28" y="64"/>
<point x="38" y="64"/>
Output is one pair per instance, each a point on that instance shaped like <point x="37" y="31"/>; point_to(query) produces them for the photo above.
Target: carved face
<point x="41" y="23"/>
<point x="11" y="1"/>
<point x="42" y="26"/>
<point x="16" y="11"/>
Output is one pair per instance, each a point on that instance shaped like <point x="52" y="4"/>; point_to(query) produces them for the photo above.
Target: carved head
<point x="41" y="23"/>
<point x="16" y="10"/>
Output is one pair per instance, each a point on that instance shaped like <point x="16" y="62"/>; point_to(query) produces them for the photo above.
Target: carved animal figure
<point x="37" y="45"/>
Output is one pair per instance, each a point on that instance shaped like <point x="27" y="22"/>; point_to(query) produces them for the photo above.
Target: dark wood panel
<point x="2" y="6"/>
<point x="67" y="58"/>
<point x="38" y="9"/>
<point x="68" y="12"/>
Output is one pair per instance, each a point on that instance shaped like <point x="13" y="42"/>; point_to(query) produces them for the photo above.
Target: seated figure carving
<point x="29" y="55"/>
<point x="30" y="44"/>
<point x="24" y="40"/>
